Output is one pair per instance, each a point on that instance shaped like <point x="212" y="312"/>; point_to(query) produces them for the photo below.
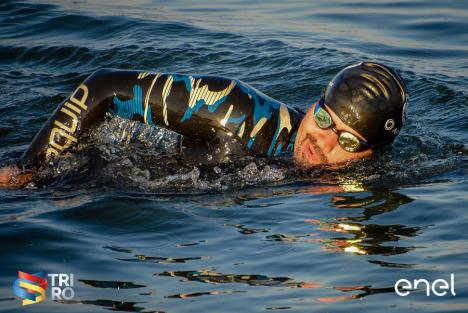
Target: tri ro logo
<point x="31" y="288"/>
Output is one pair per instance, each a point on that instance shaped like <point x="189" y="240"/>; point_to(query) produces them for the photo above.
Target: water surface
<point x="257" y="235"/>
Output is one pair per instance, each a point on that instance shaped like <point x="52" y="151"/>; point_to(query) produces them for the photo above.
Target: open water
<point x="141" y="233"/>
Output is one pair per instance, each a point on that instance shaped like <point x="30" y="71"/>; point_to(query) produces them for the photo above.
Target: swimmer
<point x="361" y="110"/>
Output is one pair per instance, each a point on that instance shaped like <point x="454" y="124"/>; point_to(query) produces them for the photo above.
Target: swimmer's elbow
<point x="99" y="74"/>
<point x="102" y="72"/>
<point x="99" y="85"/>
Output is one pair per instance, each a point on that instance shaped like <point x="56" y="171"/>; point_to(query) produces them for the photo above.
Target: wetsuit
<point x="216" y="111"/>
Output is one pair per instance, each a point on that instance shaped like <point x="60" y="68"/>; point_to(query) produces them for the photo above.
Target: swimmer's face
<point x="315" y="146"/>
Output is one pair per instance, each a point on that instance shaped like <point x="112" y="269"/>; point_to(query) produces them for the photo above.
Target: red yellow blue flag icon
<point x="30" y="287"/>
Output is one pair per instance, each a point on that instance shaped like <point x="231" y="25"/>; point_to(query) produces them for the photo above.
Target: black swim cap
<point x="371" y="99"/>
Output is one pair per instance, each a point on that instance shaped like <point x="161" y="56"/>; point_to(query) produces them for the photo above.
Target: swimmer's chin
<point x="307" y="164"/>
<point x="305" y="157"/>
<point x="304" y="162"/>
<point x="300" y="162"/>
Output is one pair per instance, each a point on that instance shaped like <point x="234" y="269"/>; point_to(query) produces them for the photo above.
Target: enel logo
<point x="439" y="287"/>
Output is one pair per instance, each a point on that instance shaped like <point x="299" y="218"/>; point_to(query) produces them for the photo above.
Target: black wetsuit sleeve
<point x="86" y="105"/>
<point x="227" y="112"/>
<point x="217" y="110"/>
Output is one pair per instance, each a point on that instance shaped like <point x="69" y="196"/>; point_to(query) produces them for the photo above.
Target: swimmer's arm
<point x="153" y="98"/>
<point x="86" y="106"/>
<point x="225" y="113"/>
<point x="200" y="107"/>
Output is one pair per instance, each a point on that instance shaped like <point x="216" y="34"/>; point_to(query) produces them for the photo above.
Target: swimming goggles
<point x="346" y="140"/>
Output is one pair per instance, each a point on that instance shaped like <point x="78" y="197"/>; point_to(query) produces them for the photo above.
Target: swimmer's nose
<point x="326" y="139"/>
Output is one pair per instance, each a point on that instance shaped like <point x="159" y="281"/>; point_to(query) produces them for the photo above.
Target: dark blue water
<point x="254" y="236"/>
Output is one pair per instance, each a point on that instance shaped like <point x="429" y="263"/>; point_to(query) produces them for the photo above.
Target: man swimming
<point x="361" y="110"/>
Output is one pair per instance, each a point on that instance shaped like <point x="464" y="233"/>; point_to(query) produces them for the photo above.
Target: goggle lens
<point x="349" y="142"/>
<point x="346" y="140"/>
<point x="322" y="117"/>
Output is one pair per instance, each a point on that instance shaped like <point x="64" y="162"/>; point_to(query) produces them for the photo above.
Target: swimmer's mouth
<point x="311" y="151"/>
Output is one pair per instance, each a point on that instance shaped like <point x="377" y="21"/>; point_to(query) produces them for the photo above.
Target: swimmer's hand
<point x="14" y="177"/>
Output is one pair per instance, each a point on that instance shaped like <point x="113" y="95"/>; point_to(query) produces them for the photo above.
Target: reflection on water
<point x="364" y="291"/>
<point x="110" y="284"/>
<point x="207" y="293"/>
<point x="112" y="305"/>
<point x="286" y="238"/>
<point x="157" y="259"/>
<point x="329" y="222"/>
<point x="378" y="202"/>
<point x="356" y="237"/>
<point x="207" y="276"/>
<point x="393" y="264"/>
<point x="366" y="238"/>
<point x="244" y="230"/>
